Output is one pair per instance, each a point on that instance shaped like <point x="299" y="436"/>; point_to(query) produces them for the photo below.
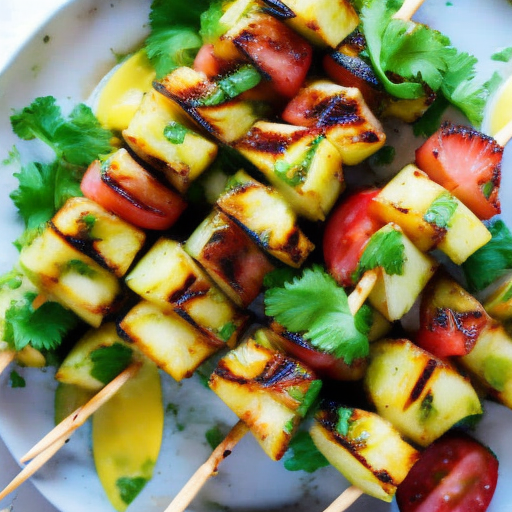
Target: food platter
<point x="67" y="58"/>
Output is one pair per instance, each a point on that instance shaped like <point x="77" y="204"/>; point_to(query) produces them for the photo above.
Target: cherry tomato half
<point x="137" y="197"/>
<point x="456" y="473"/>
<point x="347" y="231"/>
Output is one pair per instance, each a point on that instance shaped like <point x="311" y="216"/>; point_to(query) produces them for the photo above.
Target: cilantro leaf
<point x="211" y="28"/>
<point x="303" y="455"/>
<point x="492" y="260"/>
<point x="343" y="423"/>
<point x="130" y="487"/>
<point x="109" y="362"/>
<point x="16" y="380"/>
<point x="441" y="211"/>
<point x="277" y="277"/>
<point x="315" y="305"/>
<point x="43" y="328"/>
<point x="504" y="55"/>
<point x="174" y="39"/>
<point x="214" y="436"/>
<point x="384" y="249"/>
<point x="77" y="140"/>
<point x="42" y="190"/>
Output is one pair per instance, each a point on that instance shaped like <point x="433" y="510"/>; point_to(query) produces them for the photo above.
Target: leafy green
<point x="315" y="305"/>
<point x="277" y="277"/>
<point x="211" y="28"/>
<point x="227" y="330"/>
<point x="130" y="487"/>
<point x="492" y="260"/>
<point x="11" y="280"/>
<point x="174" y="39"/>
<point x="42" y="190"/>
<point x="384" y="249"/>
<point x="441" y="211"/>
<point x="410" y="58"/>
<point x="109" y="362"/>
<point x="16" y="380"/>
<point x="384" y="156"/>
<point x="77" y="140"/>
<point x="175" y="132"/>
<point x="504" y="55"/>
<point x="214" y="436"/>
<point x="308" y="399"/>
<point x="430" y="121"/>
<point x="43" y="328"/>
<point x="303" y="455"/>
<point x="343" y="423"/>
<point x="80" y="267"/>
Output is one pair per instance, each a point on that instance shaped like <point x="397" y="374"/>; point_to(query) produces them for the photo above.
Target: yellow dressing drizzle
<point x="123" y="92"/>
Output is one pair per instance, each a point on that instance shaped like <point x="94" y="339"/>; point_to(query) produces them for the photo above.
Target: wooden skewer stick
<point x="6" y="358"/>
<point x="504" y="135"/>
<point x="77" y="418"/>
<point x="209" y="468"/>
<point x="34" y="465"/>
<point x="345" y="499"/>
<point x="408" y="9"/>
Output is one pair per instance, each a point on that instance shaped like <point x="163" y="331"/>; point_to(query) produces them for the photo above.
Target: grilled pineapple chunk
<point x="164" y="337"/>
<point x="266" y="216"/>
<point x="82" y="367"/>
<point x="302" y="165"/>
<point x="323" y="22"/>
<point x="230" y="257"/>
<point x="170" y="278"/>
<point x="394" y="295"/>
<point x="106" y="238"/>
<point x="420" y="395"/>
<point x="365" y="448"/>
<point x="267" y="390"/>
<point x="429" y="215"/>
<point x="342" y="114"/>
<point x="161" y="135"/>
<point x="227" y="121"/>
<point x="491" y="361"/>
<point x="70" y="277"/>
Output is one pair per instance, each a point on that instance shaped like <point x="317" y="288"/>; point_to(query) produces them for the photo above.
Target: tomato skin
<point x="347" y="231"/>
<point x="140" y="200"/>
<point x="451" y="320"/>
<point x="278" y="52"/>
<point x="325" y="365"/>
<point x="300" y="110"/>
<point x="456" y="473"/>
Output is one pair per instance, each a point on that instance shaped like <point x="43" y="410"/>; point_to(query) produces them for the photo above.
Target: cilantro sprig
<point x="410" y="58"/>
<point x="315" y="305"/>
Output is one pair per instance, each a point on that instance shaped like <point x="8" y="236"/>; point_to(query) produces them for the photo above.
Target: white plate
<point x="82" y="38"/>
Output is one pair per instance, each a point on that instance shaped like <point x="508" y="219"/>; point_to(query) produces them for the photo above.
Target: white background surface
<point x="18" y="21"/>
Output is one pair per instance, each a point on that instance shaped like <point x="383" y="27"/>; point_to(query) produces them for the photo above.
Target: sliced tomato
<point x="139" y="199"/>
<point x="456" y="473"/>
<point x="325" y="365"/>
<point x="467" y="163"/>
<point x="278" y="52"/>
<point x="451" y="320"/>
<point x="217" y="60"/>
<point x="347" y="231"/>
<point x="300" y="111"/>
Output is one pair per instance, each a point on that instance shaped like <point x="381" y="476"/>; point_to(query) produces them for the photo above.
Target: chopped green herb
<point x="211" y="28"/>
<point x="315" y="305"/>
<point x="175" y="132"/>
<point x="504" y="55"/>
<point x="295" y="173"/>
<point x="384" y="156"/>
<point x="81" y="268"/>
<point x="244" y="78"/>
<point x="11" y="280"/>
<point x="130" y="487"/>
<point x="303" y="455"/>
<point x="226" y="331"/>
<point x="430" y="121"/>
<point x="43" y="328"/>
<point x="384" y="249"/>
<point x="441" y="211"/>
<point x="289" y="426"/>
<point x="280" y="276"/>
<point x="492" y="260"/>
<point x="343" y="423"/>
<point x="214" y="436"/>
<point x="89" y="220"/>
<point x="426" y="407"/>
<point x="16" y="380"/>
<point x="487" y="189"/>
<point x="309" y="398"/>
<point x="109" y="362"/>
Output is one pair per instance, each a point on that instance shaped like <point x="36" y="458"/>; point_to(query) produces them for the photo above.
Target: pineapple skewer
<point x="408" y="9"/>
<point x="45" y="449"/>
<point x="355" y="300"/>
